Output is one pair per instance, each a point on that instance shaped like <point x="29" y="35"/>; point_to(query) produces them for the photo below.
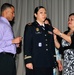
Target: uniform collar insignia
<point x="37" y="29"/>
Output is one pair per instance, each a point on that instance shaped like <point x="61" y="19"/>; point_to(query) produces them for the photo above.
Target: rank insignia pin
<point x="37" y="29"/>
<point x="50" y="32"/>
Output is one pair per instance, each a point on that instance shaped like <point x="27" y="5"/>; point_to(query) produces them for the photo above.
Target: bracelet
<point x="60" y="34"/>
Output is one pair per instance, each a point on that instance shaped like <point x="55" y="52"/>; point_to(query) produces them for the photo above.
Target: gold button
<point x="46" y="49"/>
<point x="46" y="44"/>
<point x="45" y="39"/>
<point x="45" y="35"/>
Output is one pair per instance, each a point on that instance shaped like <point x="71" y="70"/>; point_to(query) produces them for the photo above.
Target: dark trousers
<point x="39" y="71"/>
<point x="60" y="72"/>
<point x="7" y="65"/>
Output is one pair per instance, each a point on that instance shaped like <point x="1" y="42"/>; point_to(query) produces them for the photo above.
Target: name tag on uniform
<point x="39" y="44"/>
<point x="38" y="31"/>
<point x="49" y="32"/>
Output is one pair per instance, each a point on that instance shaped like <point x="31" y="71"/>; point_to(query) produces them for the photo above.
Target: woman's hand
<point x="60" y="67"/>
<point x="29" y="66"/>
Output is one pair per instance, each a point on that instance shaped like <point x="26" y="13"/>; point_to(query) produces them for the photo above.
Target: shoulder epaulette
<point x="29" y="23"/>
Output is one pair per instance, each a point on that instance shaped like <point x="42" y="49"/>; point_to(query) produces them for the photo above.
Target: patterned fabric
<point x="58" y="55"/>
<point x="68" y="63"/>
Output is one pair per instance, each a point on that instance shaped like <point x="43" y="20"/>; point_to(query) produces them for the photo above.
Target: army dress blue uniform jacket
<point x="39" y="46"/>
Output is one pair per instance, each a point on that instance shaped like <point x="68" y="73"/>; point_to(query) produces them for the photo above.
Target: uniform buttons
<point x="46" y="44"/>
<point x="46" y="49"/>
<point x="45" y="39"/>
<point x="45" y="35"/>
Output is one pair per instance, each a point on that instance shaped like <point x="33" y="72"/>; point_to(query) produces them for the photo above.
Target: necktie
<point x="43" y="27"/>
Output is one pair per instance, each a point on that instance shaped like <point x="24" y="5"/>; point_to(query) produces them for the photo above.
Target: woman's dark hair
<point x="36" y="10"/>
<point x="71" y="14"/>
<point x="68" y="27"/>
<point x="48" y="21"/>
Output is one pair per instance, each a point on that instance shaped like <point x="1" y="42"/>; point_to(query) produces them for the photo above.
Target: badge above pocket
<point x="38" y="31"/>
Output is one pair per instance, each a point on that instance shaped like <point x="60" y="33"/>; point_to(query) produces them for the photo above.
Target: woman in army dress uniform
<point x="39" y="48"/>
